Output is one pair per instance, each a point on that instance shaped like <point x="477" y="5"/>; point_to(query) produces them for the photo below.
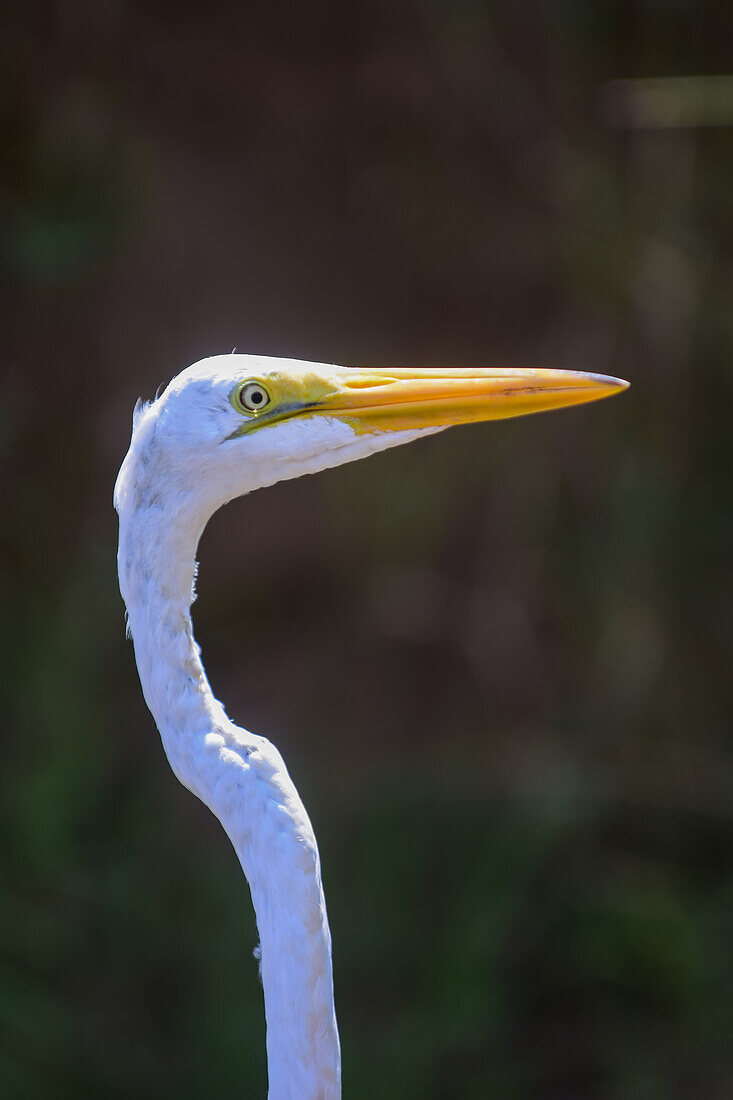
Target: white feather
<point x="181" y="467"/>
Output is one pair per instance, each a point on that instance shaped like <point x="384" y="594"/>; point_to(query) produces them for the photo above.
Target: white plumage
<point x="197" y="446"/>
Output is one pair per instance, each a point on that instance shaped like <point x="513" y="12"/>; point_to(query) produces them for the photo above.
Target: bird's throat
<point x="241" y="777"/>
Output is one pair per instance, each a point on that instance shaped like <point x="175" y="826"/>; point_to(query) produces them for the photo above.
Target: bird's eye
<point x="253" y="396"/>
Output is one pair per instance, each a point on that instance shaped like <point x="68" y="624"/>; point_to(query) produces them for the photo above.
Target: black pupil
<point x="256" y="397"/>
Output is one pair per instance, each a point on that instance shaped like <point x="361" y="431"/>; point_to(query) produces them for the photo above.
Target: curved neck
<point x="157" y="568"/>
<point x="243" y="780"/>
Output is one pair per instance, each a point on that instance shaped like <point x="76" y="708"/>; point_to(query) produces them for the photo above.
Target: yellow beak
<point x="396" y="400"/>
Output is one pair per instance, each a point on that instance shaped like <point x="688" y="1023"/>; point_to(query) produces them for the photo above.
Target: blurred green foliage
<point x="498" y="662"/>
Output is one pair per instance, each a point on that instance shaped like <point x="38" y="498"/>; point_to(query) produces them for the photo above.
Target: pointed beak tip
<point x="600" y="385"/>
<point x="614" y="384"/>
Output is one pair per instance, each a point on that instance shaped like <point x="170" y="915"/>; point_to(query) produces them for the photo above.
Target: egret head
<point x="233" y="423"/>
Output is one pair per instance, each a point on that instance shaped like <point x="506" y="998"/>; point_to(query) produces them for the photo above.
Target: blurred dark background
<point x="498" y="662"/>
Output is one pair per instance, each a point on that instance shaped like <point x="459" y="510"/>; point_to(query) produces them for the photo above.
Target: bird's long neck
<point x="243" y="780"/>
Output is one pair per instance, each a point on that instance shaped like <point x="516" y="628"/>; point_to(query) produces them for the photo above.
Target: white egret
<point x="223" y="427"/>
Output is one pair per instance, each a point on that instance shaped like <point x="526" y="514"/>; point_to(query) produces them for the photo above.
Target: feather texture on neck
<point x="241" y="777"/>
